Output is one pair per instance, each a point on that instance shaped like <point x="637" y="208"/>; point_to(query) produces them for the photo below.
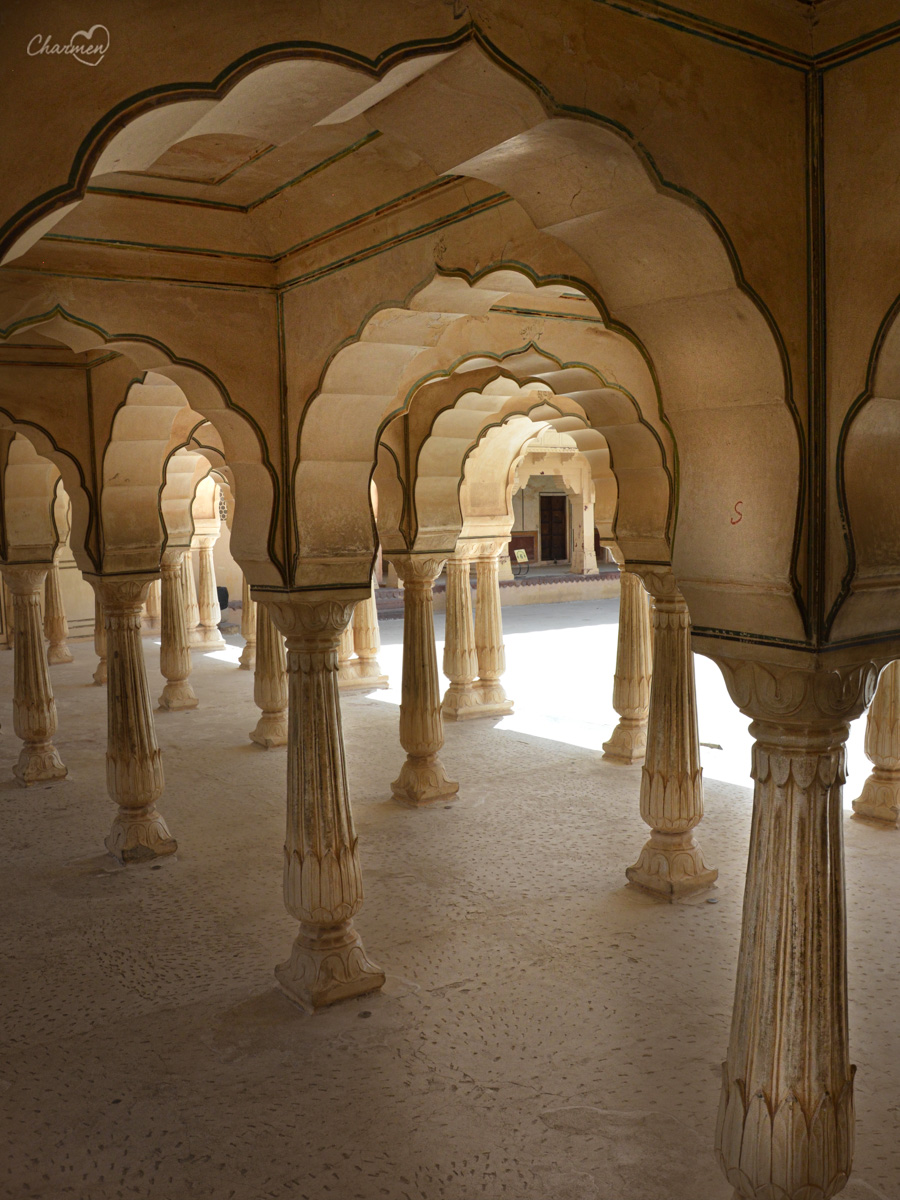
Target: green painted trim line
<point x="285" y="500"/>
<point x="209" y="285"/>
<point x="753" y="639"/>
<point x="410" y="235"/>
<point x="201" y="202"/>
<point x="816" y="468"/>
<point x="206" y="251"/>
<point x="714" y="31"/>
<point x="550" y="316"/>
<point x="127" y="110"/>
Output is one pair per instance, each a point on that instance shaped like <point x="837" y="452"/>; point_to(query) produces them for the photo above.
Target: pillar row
<point x="462" y="698"/>
<point x="492" y="698"/>
<point x="210" y="614"/>
<point x="100" y="674"/>
<point x="247" y="661"/>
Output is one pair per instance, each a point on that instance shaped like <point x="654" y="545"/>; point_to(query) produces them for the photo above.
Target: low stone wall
<point x="541" y="589"/>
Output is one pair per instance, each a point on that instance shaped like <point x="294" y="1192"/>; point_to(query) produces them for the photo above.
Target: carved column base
<point x="461" y="701"/>
<point x="803" y="1154"/>
<point x="671" y="865"/>
<point x="360" y="675"/>
<point x="206" y="639"/>
<point x="58" y="653"/>
<point x="139" y="835"/>
<point x="247" y="661"/>
<point x="178" y="694"/>
<point x="492" y="699"/>
<point x="628" y="743"/>
<point x="271" y="730"/>
<point x="423" y="781"/>
<point x="39" y="763"/>
<point x="101" y="676"/>
<point x="327" y="964"/>
<point x="880" y="798"/>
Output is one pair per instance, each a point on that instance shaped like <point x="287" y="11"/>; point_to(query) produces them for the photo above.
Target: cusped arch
<point x="155" y="378"/>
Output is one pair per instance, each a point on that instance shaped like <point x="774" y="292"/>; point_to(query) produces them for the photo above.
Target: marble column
<point x="134" y="771"/>
<point x="270" y="685"/>
<point x="208" y="635"/>
<point x="462" y="699"/>
<point x="174" y="646"/>
<point x="153" y="606"/>
<point x="8" y="614"/>
<point x="322" y="877"/>
<point x="191" y="608"/>
<point x="367" y="643"/>
<point x="880" y="797"/>
<point x="247" y="661"/>
<point x="100" y="674"/>
<point x="346" y="674"/>
<point x="34" y="709"/>
<point x="493" y="701"/>
<point x="785" y="1126"/>
<point x="631" y="682"/>
<point x="56" y="627"/>
<point x="422" y="779"/>
<point x="671" y="863"/>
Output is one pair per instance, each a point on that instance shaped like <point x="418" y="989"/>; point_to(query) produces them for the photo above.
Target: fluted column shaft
<point x="671" y="864"/>
<point x="7" y="613"/>
<point x="174" y="647"/>
<point x="880" y="797"/>
<point x="462" y="698"/>
<point x="785" y="1128"/>
<point x="247" y="660"/>
<point x="100" y="674"/>
<point x="322" y="877"/>
<point x="345" y="658"/>
<point x="209" y="637"/>
<point x="134" y="772"/>
<point x="56" y="627"/>
<point x="489" y="646"/>
<point x="34" y="709"/>
<point x="786" y="1113"/>
<point x="153" y="605"/>
<point x="422" y="778"/>
<point x="270" y="686"/>
<point x="192" y="610"/>
<point x="631" y="682"/>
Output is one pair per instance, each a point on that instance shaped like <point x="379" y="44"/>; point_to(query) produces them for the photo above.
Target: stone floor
<point x="545" y="1032"/>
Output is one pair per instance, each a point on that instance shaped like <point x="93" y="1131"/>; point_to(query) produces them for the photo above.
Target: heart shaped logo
<point x="94" y="48"/>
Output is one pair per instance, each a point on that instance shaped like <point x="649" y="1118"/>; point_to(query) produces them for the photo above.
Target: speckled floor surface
<point x="545" y="1032"/>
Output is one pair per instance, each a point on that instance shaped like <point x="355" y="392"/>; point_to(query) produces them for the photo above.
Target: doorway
<point x="554" y="533"/>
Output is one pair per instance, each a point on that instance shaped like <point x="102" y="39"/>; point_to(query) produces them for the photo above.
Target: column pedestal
<point x="34" y="709"/>
<point x="134" y="772"/>
<point x="631" y="683"/>
<point x="322" y="877"/>
<point x="56" y="627"/>
<point x="270" y="686"/>
<point x="422" y="779"/>
<point x="671" y="863"/>
<point x="880" y="798"/>
<point x="174" y="649"/>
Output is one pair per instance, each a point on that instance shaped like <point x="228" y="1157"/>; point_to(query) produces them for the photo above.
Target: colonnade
<point x="786" y="1106"/>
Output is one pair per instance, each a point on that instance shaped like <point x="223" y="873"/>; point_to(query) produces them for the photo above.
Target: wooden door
<point x="554" y="542"/>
